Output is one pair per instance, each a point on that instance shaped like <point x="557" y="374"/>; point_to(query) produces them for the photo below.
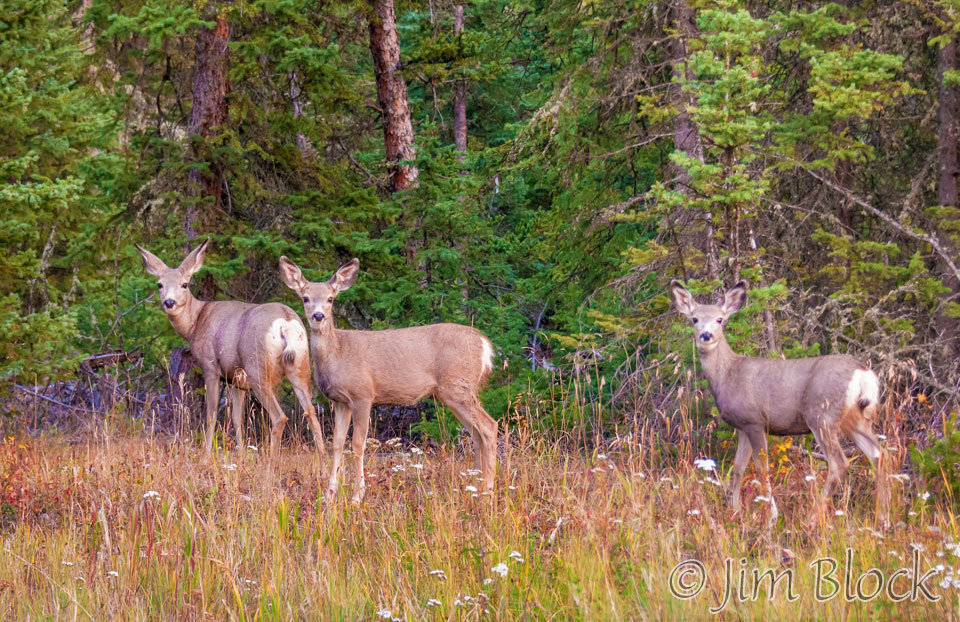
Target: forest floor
<point x="129" y="526"/>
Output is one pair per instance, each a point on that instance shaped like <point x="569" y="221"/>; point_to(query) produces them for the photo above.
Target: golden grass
<point x="83" y="537"/>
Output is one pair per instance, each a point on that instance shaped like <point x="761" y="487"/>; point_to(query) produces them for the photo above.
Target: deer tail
<point x="869" y="397"/>
<point x="486" y="358"/>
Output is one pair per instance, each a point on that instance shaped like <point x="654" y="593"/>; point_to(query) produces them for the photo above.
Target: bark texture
<point x="392" y="96"/>
<point x="459" y="92"/>
<point x="948" y="168"/>
<point x="210" y="88"/>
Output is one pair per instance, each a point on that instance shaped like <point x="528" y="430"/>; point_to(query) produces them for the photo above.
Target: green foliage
<point x="939" y="461"/>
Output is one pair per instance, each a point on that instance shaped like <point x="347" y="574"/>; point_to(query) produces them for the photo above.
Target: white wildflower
<point x="386" y="614"/>
<point x="416" y="450"/>
<point x="440" y="574"/>
<point x="809" y="478"/>
<point x="839" y="513"/>
<point x="397" y="468"/>
<point x="433" y="602"/>
<point x="693" y="512"/>
<point x="67" y="563"/>
<point x="151" y="494"/>
<point x="900" y="477"/>
<point x="500" y="569"/>
<point x="488" y="581"/>
<point x="417" y="466"/>
<point x="230" y="467"/>
<point x="924" y="496"/>
<point x="253" y="448"/>
<point x="470" y="489"/>
<point x="706" y="464"/>
<point x="516" y="556"/>
<point x="601" y="456"/>
<point x="113" y="573"/>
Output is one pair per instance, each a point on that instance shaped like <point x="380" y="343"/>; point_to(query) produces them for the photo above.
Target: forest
<point x="539" y="171"/>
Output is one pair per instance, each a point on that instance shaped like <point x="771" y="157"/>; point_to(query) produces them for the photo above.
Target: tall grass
<point x="127" y="526"/>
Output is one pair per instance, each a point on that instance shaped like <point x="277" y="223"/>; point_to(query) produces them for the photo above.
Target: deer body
<point x="251" y="346"/>
<point x="829" y="396"/>
<point x="356" y="369"/>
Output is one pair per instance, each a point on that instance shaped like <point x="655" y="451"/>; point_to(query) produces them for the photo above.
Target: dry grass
<point x="84" y="538"/>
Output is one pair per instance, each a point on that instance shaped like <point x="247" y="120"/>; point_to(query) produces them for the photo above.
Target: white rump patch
<point x="486" y="357"/>
<point x="287" y="335"/>
<point x="863" y="385"/>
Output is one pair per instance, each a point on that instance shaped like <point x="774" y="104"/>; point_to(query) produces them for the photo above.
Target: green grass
<point x="598" y="536"/>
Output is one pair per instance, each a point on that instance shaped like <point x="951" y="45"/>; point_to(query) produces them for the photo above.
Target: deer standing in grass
<point x="827" y="396"/>
<point x="251" y="346"/>
<point x="356" y="369"/>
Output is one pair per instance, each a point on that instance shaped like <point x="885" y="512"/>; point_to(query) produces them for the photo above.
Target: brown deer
<point x="251" y="346"/>
<point x="356" y="369"/>
<point x="827" y="396"/>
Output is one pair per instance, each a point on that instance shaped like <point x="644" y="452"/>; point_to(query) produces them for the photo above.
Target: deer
<point x="356" y="369"/>
<point x="251" y="346"/>
<point x="829" y="396"/>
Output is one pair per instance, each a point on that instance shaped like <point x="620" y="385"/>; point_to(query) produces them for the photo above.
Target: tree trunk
<point x="210" y="87"/>
<point x="948" y="134"/>
<point x="686" y="134"/>
<point x="459" y="92"/>
<point x="392" y="96"/>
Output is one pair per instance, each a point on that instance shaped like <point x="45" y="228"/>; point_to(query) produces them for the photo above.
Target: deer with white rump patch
<point x="251" y="346"/>
<point x="827" y="396"/>
<point x="356" y="369"/>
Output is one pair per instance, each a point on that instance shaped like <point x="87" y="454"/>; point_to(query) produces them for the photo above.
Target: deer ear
<point x="151" y="262"/>
<point x="345" y="276"/>
<point x="682" y="298"/>
<point x="194" y="261"/>
<point x="292" y="275"/>
<point x="735" y="298"/>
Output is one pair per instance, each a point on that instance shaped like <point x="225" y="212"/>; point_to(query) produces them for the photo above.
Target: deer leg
<point x="758" y="440"/>
<point x="277" y="420"/>
<point x="301" y="387"/>
<point x="237" y="398"/>
<point x="863" y="436"/>
<point x="211" y="382"/>
<point x="483" y="428"/>
<point x="836" y="462"/>
<point x="739" y="466"/>
<point x="341" y="413"/>
<point x="361" y="421"/>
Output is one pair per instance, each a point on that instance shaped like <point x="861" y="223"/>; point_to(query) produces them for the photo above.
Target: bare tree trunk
<point x="304" y="144"/>
<point x="686" y="134"/>
<point x="210" y="87"/>
<point x="392" y="95"/>
<point x="459" y="92"/>
<point x="948" y="135"/>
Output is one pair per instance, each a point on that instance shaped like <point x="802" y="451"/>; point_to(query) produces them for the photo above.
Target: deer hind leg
<point x="361" y="422"/>
<point x="739" y="466"/>
<point x="341" y="413"/>
<point x="277" y="419"/>
<point x="483" y="429"/>
<point x="837" y="465"/>
<point x="863" y="436"/>
<point x="758" y="441"/>
<point x="300" y="380"/>
<point x="238" y="398"/>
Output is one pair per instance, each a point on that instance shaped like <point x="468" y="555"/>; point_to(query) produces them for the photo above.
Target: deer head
<point x="174" y="283"/>
<point x="318" y="297"/>
<point x="708" y="320"/>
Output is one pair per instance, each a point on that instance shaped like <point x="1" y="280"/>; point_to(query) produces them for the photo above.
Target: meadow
<point x="120" y="524"/>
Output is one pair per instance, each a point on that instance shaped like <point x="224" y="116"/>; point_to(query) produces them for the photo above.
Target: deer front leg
<point x="361" y="421"/>
<point x="211" y="382"/>
<point x="758" y="440"/>
<point x="739" y="466"/>
<point x="341" y="413"/>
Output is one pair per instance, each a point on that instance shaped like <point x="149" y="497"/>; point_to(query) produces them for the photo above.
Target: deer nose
<point x="318" y="317"/>
<point x="706" y="336"/>
<point x="169" y="303"/>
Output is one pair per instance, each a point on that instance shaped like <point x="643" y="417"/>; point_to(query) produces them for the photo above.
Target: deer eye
<point x="306" y="299"/>
<point x="330" y="299"/>
<point x="695" y="320"/>
<point x="719" y="320"/>
<point x="159" y="285"/>
<point x="185" y="285"/>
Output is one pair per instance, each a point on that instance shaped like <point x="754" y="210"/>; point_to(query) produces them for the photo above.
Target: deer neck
<point x="324" y="343"/>
<point x="185" y="322"/>
<point x="717" y="362"/>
